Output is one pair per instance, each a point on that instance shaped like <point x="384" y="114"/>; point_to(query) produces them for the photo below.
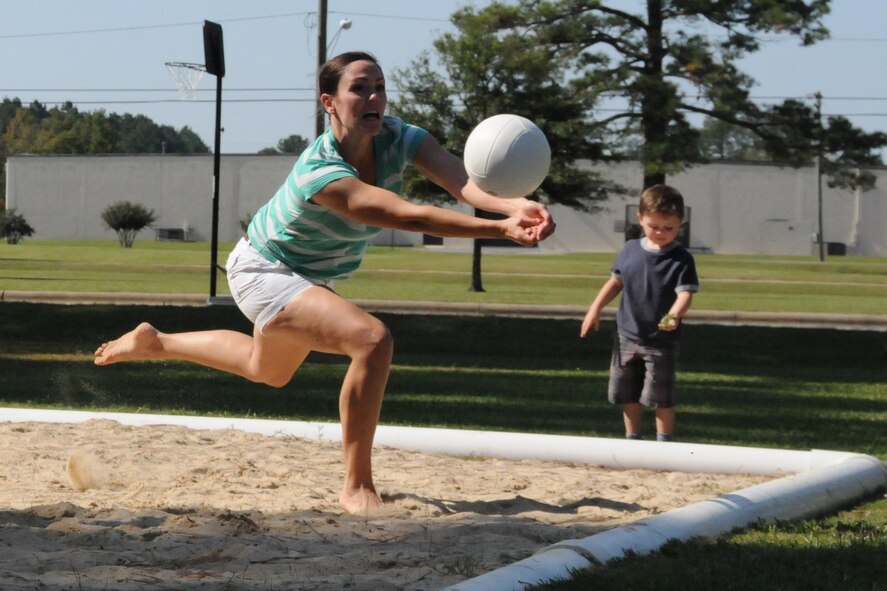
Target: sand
<point x="167" y="507"/>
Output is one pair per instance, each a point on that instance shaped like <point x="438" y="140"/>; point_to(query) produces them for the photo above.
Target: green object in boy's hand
<point x="668" y="322"/>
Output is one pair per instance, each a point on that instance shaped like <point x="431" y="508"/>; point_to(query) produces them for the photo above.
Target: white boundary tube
<point x="814" y="482"/>
<point x="793" y="497"/>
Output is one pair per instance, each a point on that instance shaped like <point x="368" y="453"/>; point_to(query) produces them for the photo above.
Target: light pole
<point x="344" y="25"/>
<point x="818" y="97"/>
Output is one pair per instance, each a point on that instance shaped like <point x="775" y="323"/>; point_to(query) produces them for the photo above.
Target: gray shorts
<point x="643" y="374"/>
<point x="261" y="288"/>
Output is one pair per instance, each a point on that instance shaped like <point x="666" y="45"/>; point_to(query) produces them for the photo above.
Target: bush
<point x="13" y="226"/>
<point x="127" y="219"/>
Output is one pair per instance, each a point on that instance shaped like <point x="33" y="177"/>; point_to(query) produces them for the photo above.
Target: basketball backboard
<point x="213" y="49"/>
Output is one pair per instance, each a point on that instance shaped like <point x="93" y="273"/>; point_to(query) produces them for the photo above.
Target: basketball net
<point x="186" y="76"/>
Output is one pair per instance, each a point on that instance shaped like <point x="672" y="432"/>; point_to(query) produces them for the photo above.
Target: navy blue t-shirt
<point x="651" y="280"/>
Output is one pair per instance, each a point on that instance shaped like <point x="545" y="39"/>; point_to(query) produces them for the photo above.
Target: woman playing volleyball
<point x="315" y="229"/>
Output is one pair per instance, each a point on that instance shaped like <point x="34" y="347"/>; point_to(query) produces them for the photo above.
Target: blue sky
<point x="110" y="54"/>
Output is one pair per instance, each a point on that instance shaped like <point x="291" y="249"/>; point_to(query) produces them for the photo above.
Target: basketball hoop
<point x="186" y="76"/>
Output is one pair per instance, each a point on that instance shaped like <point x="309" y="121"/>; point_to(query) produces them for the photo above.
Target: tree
<point x="137" y="134"/>
<point x="672" y="61"/>
<point x="191" y="142"/>
<point x="795" y="133"/>
<point x="20" y="133"/>
<point x="8" y="109"/>
<point x="719" y="140"/>
<point x="484" y="74"/>
<point x="127" y="219"/>
<point x="65" y="130"/>
<point x="293" y="144"/>
<point x="13" y="226"/>
<point x="38" y="109"/>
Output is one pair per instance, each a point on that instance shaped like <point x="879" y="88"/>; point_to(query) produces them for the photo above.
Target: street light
<point x="344" y="25"/>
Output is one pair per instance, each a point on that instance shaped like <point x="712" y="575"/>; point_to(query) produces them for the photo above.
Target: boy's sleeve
<point x="618" y="264"/>
<point x="688" y="280"/>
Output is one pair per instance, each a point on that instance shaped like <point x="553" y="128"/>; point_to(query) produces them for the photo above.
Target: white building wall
<point x="869" y="235"/>
<point x="736" y="208"/>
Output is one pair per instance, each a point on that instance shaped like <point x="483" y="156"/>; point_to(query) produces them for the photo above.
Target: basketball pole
<point x="214" y="263"/>
<point x="214" y="55"/>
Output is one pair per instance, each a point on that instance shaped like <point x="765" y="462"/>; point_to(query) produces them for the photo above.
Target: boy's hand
<point x="592" y="320"/>
<point x="669" y="322"/>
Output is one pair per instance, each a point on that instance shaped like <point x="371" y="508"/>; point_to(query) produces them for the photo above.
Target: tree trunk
<point x="654" y="105"/>
<point x="476" y="283"/>
<point x="656" y="178"/>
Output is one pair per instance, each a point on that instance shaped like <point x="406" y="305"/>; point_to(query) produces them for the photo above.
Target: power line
<point x="394" y="16"/>
<point x="200" y="23"/>
<point x="147" y="27"/>
<point x="256" y="89"/>
<point x="389" y="89"/>
<point x="93" y="31"/>
<point x="310" y="12"/>
<point x="177" y="100"/>
<point x="825" y="98"/>
<point x="309" y="100"/>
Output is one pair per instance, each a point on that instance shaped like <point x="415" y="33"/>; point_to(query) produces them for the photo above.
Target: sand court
<point x="176" y="508"/>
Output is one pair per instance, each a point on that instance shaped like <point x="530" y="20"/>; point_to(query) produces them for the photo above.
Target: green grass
<point x="104" y="266"/>
<point x="749" y="386"/>
<point x="755" y="386"/>
<point x="851" y="285"/>
<point x="845" y="552"/>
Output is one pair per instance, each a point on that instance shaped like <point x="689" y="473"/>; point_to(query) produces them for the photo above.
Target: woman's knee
<point x="274" y="364"/>
<point x="275" y="380"/>
<point x="372" y="338"/>
<point x="269" y="374"/>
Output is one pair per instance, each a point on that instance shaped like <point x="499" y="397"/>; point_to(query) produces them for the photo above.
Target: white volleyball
<point x="507" y="156"/>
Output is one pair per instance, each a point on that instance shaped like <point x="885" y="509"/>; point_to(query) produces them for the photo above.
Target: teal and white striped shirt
<point x="311" y="239"/>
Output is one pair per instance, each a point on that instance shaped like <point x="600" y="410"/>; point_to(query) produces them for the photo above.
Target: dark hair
<point x="331" y="72"/>
<point x="663" y="200"/>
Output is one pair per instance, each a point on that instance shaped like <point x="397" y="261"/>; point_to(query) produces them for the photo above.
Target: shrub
<point x="13" y="226"/>
<point x="127" y="219"/>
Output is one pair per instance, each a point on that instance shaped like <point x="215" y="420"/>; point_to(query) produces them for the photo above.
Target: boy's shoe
<point x="635" y="436"/>
<point x="664" y="437"/>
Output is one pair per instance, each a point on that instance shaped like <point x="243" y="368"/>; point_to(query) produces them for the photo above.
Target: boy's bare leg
<point x="665" y="419"/>
<point x="632" y="414"/>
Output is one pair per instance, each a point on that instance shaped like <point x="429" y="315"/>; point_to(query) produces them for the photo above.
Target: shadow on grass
<point x="772" y="387"/>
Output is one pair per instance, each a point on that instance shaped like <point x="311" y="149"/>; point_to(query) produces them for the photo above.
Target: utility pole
<point x="319" y="122"/>
<point x="819" y="233"/>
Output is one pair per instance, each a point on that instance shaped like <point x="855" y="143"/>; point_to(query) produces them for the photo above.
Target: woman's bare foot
<point x="139" y="343"/>
<point x="362" y="502"/>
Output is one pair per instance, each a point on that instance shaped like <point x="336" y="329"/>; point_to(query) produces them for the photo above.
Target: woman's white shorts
<point x="261" y="288"/>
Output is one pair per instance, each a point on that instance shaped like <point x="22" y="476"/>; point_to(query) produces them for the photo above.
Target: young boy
<point x="657" y="279"/>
